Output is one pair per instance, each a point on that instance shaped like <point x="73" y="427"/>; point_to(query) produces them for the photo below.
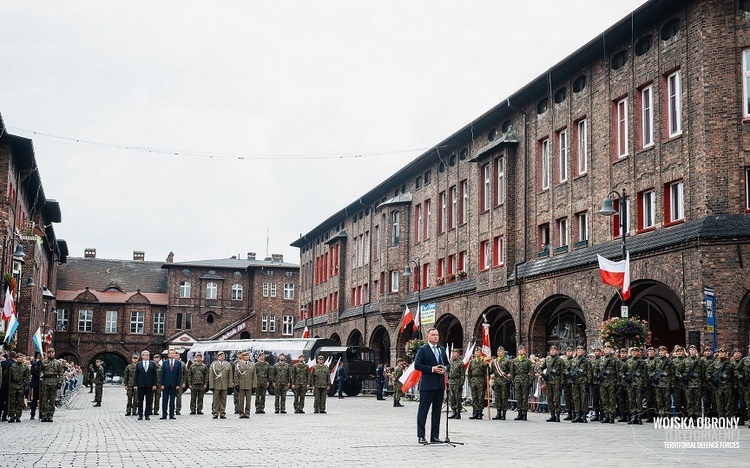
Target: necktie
<point x="145" y="366"/>
<point x="171" y="364"/>
<point x="437" y="354"/>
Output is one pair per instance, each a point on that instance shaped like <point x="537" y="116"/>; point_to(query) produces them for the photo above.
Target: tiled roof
<point x="230" y="263"/>
<point x="96" y="274"/>
<point x="434" y="292"/>
<point x="370" y="308"/>
<point x="112" y="297"/>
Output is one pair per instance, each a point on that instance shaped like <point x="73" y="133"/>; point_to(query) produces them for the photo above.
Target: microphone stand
<point x="447" y="407"/>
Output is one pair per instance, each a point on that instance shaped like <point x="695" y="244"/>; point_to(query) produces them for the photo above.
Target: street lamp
<point x="608" y="210"/>
<point x="408" y="273"/>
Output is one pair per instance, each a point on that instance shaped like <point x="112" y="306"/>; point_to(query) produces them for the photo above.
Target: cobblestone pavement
<point x="358" y="431"/>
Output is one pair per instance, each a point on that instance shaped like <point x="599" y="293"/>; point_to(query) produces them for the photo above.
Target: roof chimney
<point x="170" y="257"/>
<point x="251" y="255"/>
<point x="89" y="253"/>
<point x="277" y="258"/>
<point x="139" y="255"/>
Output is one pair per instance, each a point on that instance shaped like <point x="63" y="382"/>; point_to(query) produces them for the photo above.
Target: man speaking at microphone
<point x="432" y="361"/>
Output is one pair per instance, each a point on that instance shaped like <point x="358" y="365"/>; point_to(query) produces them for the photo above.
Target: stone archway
<point x="558" y="320"/>
<point x="658" y="304"/>
<point x="335" y="337"/>
<point x="502" y="329"/>
<point x="114" y="363"/>
<point x="403" y="337"/>
<point x="355" y="338"/>
<point x="380" y="342"/>
<point x="451" y="331"/>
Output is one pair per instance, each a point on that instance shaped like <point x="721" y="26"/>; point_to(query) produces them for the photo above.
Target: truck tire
<point x="352" y="388"/>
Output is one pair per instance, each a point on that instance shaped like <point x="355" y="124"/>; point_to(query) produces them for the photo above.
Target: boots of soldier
<point x="458" y="414"/>
<point x="584" y="417"/>
<point x="551" y="417"/>
<point x="576" y="418"/>
<point x="638" y="420"/>
<point x="569" y="416"/>
<point x="519" y="416"/>
<point x="596" y="416"/>
<point x="394" y="404"/>
<point x="632" y="420"/>
<point x="525" y="414"/>
<point x="452" y="416"/>
<point x="480" y="414"/>
<point x="504" y="411"/>
<point x="473" y="415"/>
<point x="624" y="418"/>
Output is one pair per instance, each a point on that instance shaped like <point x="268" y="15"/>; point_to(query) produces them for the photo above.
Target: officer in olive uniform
<point x="281" y="375"/>
<point x="521" y="372"/>
<point x="198" y="383"/>
<point x="596" y="400"/>
<point x="157" y="394"/>
<point x="319" y="381"/>
<point x="567" y="385"/>
<point x="455" y="384"/>
<point x="263" y="379"/>
<point x="128" y="379"/>
<point x="578" y="375"/>
<point x="500" y="368"/>
<point x="606" y="376"/>
<point x="51" y="373"/>
<point x="220" y="381"/>
<point x="720" y="377"/>
<point x="635" y="379"/>
<point x="661" y="380"/>
<point x="299" y="382"/>
<point x="98" y="382"/>
<point x="691" y="373"/>
<point x="398" y="371"/>
<point x="477" y="375"/>
<point x="19" y="384"/>
<point x="245" y="382"/>
<point x="553" y="371"/>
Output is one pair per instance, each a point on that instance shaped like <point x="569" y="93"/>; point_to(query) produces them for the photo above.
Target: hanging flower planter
<point x="625" y="331"/>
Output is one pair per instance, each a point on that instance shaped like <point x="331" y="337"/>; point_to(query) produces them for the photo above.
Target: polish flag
<point x="8" y="306"/>
<point x="486" y="351"/>
<point x="306" y="333"/>
<point x="409" y="378"/>
<point x="468" y="354"/>
<point x="335" y="369"/>
<point x="311" y="362"/>
<point x="48" y="337"/>
<point x="616" y="274"/>
<point x="406" y="319"/>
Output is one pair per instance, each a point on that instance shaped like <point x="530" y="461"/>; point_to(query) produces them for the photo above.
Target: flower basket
<point x="462" y="274"/>
<point x="625" y="331"/>
<point x="412" y="346"/>
<point x="440" y="281"/>
<point x="450" y="278"/>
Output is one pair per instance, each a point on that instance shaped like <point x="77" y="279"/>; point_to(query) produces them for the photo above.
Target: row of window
<point x="212" y="288"/>
<point x="268" y="324"/>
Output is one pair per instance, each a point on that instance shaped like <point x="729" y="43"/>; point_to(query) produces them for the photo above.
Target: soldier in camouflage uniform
<point x="743" y="376"/>
<point x="299" y="381"/>
<point x="245" y="382"/>
<point x="596" y="399"/>
<point x="649" y="392"/>
<point x="456" y="375"/>
<point x="720" y="376"/>
<point x="578" y="375"/>
<point x="98" y="382"/>
<point x="19" y="383"/>
<point x="319" y="381"/>
<point x="262" y="375"/>
<point x="635" y="379"/>
<point x="157" y="394"/>
<point x="521" y="372"/>
<point x="181" y="388"/>
<point x="678" y="391"/>
<point x="128" y="379"/>
<point x="198" y="383"/>
<point x="398" y="371"/>
<point x="553" y="371"/>
<point x="738" y="402"/>
<point x="281" y="375"/>
<point x="567" y="388"/>
<point x="477" y="374"/>
<point x="500" y="368"/>
<point x="623" y="403"/>
<point x="661" y="380"/>
<point x="707" y="390"/>
<point x="606" y="376"/>
<point x="691" y="375"/>
<point x="51" y="372"/>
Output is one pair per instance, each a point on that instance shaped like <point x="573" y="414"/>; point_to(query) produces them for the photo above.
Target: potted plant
<point x="440" y="281"/>
<point x="450" y="278"/>
<point x="625" y="331"/>
<point x="412" y="346"/>
<point x="462" y="274"/>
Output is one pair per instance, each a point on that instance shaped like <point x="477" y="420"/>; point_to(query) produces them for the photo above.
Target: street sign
<point x="624" y="311"/>
<point x="427" y="314"/>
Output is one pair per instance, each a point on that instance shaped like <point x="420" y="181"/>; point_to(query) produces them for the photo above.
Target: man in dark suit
<point x="171" y="380"/>
<point x="432" y="361"/>
<point x="144" y="383"/>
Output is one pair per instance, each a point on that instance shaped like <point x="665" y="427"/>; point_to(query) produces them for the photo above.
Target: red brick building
<point x="500" y="219"/>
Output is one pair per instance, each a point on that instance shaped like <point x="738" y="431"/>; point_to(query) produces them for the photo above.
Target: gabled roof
<point x="230" y="263"/>
<point x="112" y="297"/>
<point x="97" y="274"/>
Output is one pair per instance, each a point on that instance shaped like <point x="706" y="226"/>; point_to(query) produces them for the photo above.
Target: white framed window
<point x="110" y="324"/>
<point x="582" y="147"/>
<point x="648" y="199"/>
<point x="545" y="164"/>
<point x="499" y="251"/>
<point x="62" y="320"/>
<point x="272" y="292"/>
<point x="562" y="160"/>
<point x="583" y="226"/>
<point x="287" y="328"/>
<point x="159" y="323"/>
<point x="465" y="201"/>
<point x="427" y="217"/>
<point x="484" y="255"/>
<point x="622" y="128"/>
<point x="184" y="321"/>
<point x="236" y="292"/>
<point x="377" y="242"/>
<point x="746" y="83"/>
<point x="185" y="289"/>
<point x="366" y="247"/>
<point x="443" y="212"/>
<point x="266" y="289"/>
<point x="289" y="291"/>
<point x="85" y="320"/>
<point x="500" y="189"/>
<point x="420" y="222"/>
<point x="674" y="103"/>
<point x="211" y="290"/>
<point x="647" y="116"/>
<point x="676" y="201"/>
<point x="562" y="232"/>
<point x="487" y="186"/>
<point x="394" y="281"/>
<point x="264" y="323"/>
<point x="272" y="323"/>
<point x="137" y="320"/>
<point x="396" y="227"/>
<point x="747" y="196"/>
<point x="454" y="207"/>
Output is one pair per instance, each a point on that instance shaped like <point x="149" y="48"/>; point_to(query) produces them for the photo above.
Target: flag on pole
<point x="467" y="355"/>
<point x="616" y="274"/>
<point x="409" y="378"/>
<point x="335" y="370"/>
<point x="37" y="339"/>
<point x="9" y="307"/>
<point x="12" y="327"/>
<point x="48" y="337"/>
<point x="310" y="362"/>
<point x="486" y="351"/>
<point x="406" y="319"/>
<point x="306" y="333"/>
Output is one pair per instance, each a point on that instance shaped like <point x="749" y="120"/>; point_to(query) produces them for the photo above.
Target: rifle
<point x="604" y="372"/>
<point x="628" y="380"/>
<point x="656" y="378"/>
<point x="576" y="370"/>
<point x="550" y="370"/>
<point x="690" y="374"/>
<point x="719" y="377"/>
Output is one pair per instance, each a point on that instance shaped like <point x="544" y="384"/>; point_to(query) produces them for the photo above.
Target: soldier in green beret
<point x="521" y="372"/>
<point x="552" y="371"/>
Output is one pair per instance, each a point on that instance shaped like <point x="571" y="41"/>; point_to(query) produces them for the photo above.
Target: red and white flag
<point x="409" y="378"/>
<point x="9" y="307"/>
<point x="486" y="351"/>
<point x="616" y="274"/>
<point x="335" y="370"/>
<point x="406" y="319"/>
<point x="468" y="354"/>
<point x="306" y="333"/>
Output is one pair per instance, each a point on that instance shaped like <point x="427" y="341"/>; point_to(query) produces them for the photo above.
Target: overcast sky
<point x="231" y="127"/>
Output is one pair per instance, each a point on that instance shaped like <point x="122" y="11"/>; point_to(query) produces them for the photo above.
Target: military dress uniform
<point x="262" y="374"/>
<point x="500" y="368"/>
<point x="319" y="380"/>
<point x="522" y="372"/>
<point x="578" y="375"/>
<point x="455" y="384"/>
<point x="219" y="381"/>
<point x="299" y="382"/>
<point x="19" y="384"/>
<point x="51" y="374"/>
<point x="128" y="379"/>
<point x="197" y="381"/>
<point x="398" y="371"/>
<point x="553" y="371"/>
<point x="244" y="383"/>
<point x="281" y="375"/>
<point x="477" y="375"/>
<point x="98" y="384"/>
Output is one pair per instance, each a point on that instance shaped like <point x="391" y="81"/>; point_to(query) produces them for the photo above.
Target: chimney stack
<point x="89" y="253"/>
<point x="277" y="258"/>
<point x="139" y="255"/>
<point x="251" y="255"/>
<point x="170" y="257"/>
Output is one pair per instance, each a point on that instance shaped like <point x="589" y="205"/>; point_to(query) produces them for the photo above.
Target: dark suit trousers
<point x="429" y="399"/>
<point x="168" y="396"/>
<point x="147" y="394"/>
